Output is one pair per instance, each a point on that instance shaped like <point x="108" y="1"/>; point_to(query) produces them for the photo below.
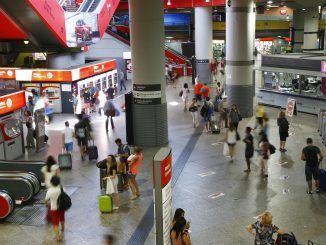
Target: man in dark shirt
<point x="123" y="153"/>
<point x="110" y="92"/>
<point x="87" y="101"/>
<point x="313" y="156"/>
<point x="81" y="135"/>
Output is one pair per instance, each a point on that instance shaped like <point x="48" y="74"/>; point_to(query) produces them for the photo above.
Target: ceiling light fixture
<point x="304" y="9"/>
<point x="169" y="2"/>
<point x="207" y="1"/>
<point x="269" y="2"/>
<point x="26" y="42"/>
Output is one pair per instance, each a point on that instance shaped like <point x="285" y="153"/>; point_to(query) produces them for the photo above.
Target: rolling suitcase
<point x="322" y="179"/>
<point x="215" y="126"/>
<point x="105" y="204"/>
<point x="92" y="152"/>
<point x="65" y="161"/>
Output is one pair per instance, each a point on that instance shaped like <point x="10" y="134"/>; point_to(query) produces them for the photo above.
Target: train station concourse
<point x="163" y="122"/>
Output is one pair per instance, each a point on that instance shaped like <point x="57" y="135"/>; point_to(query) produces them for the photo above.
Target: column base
<point x="243" y="97"/>
<point x="203" y="70"/>
<point x="150" y="125"/>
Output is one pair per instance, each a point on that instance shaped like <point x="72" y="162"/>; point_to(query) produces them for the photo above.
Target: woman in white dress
<point x="185" y="95"/>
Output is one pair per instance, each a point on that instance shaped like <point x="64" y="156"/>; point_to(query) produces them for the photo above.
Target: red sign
<point x="290" y="107"/>
<point x="52" y="15"/>
<point x="49" y="75"/>
<point x="166" y="170"/>
<point x="283" y="11"/>
<point x="7" y="73"/>
<point x="99" y="68"/>
<point x="106" y="14"/>
<point x="9" y="29"/>
<point x="12" y="102"/>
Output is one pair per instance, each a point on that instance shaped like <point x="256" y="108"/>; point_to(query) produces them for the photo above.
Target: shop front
<point x="59" y="85"/>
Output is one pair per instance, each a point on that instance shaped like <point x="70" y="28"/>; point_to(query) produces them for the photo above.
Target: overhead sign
<point x="99" y="68"/>
<point x="162" y="175"/>
<point x="7" y="73"/>
<point x="290" y="107"/>
<point x="12" y="102"/>
<point x="147" y="94"/>
<point x="48" y="75"/>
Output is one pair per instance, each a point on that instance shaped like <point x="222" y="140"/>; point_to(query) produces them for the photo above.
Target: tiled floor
<point x="213" y="221"/>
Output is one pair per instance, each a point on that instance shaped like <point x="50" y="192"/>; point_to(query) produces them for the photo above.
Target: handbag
<point x="109" y="186"/>
<point x="180" y="93"/>
<point x="111" y="112"/>
<point x="226" y="150"/>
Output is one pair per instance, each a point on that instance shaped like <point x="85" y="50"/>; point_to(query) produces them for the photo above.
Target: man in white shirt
<point x="67" y="137"/>
<point x="51" y="199"/>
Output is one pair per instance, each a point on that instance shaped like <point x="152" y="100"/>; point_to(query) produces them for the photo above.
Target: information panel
<point x="147" y="94"/>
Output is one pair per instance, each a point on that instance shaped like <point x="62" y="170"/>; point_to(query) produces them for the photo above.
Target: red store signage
<point x="97" y="69"/>
<point x="12" y="102"/>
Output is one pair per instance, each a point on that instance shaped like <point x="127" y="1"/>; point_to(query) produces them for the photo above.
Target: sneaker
<point x="247" y="170"/>
<point x="318" y="191"/>
<point x="309" y="192"/>
<point x="133" y="197"/>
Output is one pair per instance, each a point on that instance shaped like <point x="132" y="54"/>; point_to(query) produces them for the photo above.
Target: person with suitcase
<point x="81" y="135"/>
<point x="67" y="138"/>
<point x="312" y="155"/>
<point x="112" y="181"/>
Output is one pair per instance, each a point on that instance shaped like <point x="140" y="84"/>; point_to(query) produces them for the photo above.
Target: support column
<point x="203" y="42"/>
<point x="148" y="60"/>
<point x="297" y="32"/>
<point x="311" y="29"/>
<point x="240" y="22"/>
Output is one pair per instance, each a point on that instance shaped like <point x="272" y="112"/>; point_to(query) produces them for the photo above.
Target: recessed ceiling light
<point x="269" y="2"/>
<point x="169" y="37"/>
<point x="26" y="42"/>
<point x="303" y="9"/>
<point x="169" y="2"/>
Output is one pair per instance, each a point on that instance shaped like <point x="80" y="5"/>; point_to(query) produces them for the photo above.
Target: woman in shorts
<point x="134" y="162"/>
<point x="231" y="140"/>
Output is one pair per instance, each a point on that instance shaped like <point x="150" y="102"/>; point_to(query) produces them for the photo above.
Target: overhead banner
<point x="52" y="15"/>
<point x="106" y="14"/>
<point x="147" y="94"/>
<point x="12" y="102"/>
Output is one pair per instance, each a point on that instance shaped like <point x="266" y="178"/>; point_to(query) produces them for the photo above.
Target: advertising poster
<point x="81" y="29"/>
<point x="129" y="69"/>
<point x="290" y="107"/>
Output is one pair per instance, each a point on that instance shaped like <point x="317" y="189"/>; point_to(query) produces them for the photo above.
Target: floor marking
<point x="216" y="195"/>
<point x="206" y="174"/>
<point x="284" y="177"/>
<point x="217" y="143"/>
<point x="286" y="191"/>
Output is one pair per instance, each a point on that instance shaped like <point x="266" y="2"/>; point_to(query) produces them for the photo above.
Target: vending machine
<point x="11" y="131"/>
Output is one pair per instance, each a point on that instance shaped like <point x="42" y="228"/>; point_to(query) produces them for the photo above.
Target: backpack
<point x="81" y="132"/>
<point x="204" y="110"/>
<point x="272" y="149"/>
<point x="286" y="239"/>
<point x="64" y="201"/>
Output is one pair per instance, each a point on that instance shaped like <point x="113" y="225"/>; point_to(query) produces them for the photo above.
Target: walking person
<point x="67" y="138"/>
<point x="110" y="112"/>
<point x="81" y="133"/>
<point x="193" y="108"/>
<point x="185" y="96"/>
<point x="123" y="152"/>
<point x="110" y="92"/>
<point x="87" y="101"/>
<point x="122" y="80"/>
<point x="283" y="126"/>
<point x="102" y="100"/>
<point x="30" y="142"/>
<point x="249" y="150"/>
<point x="111" y="175"/>
<point x="219" y="91"/>
<point x="264" y="154"/>
<point x="207" y="113"/>
<point x="197" y="89"/>
<point x="312" y="155"/>
<point x="51" y="201"/>
<point x="223" y="109"/>
<point x="264" y="230"/>
<point x="260" y="114"/>
<point x="234" y="116"/>
<point x="231" y="140"/>
<point x="134" y="161"/>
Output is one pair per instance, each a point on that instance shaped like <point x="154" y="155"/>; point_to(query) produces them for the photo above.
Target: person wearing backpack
<point x="206" y="112"/>
<point x="283" y="126"/>
<point x="51" y="199"/>
<point x="81" y="135"/>
<point x="312" y="155"/>
<point x="264" y="230"/>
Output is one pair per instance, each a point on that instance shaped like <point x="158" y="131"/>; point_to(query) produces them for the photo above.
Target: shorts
<point x="56" y="216"/>
<point x="312" y="172"/>
<point x="69" y="146"/>
<point x="231" y="144"/>
<point x="283" y="136"/>
<point x="132" y="176"/>
<point x="198" y="97"/>
<point x="87" y="105"/>
<point x="208" y="119"/>
<point x="81" y="141"/>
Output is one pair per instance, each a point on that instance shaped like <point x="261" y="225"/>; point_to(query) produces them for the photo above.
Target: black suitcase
<point x="65" y="160"/>
<point x="92" y="152"/>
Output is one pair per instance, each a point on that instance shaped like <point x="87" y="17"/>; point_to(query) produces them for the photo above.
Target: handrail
<point x="176" y="53"/>
<point x="117" y="36"/>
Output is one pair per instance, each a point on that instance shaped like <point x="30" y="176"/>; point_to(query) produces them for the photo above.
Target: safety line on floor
<point x="147" y="222"/>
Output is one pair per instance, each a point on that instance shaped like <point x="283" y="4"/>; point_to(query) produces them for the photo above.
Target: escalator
<point x="179" y="61"/>
<point x="88" y="6"/>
